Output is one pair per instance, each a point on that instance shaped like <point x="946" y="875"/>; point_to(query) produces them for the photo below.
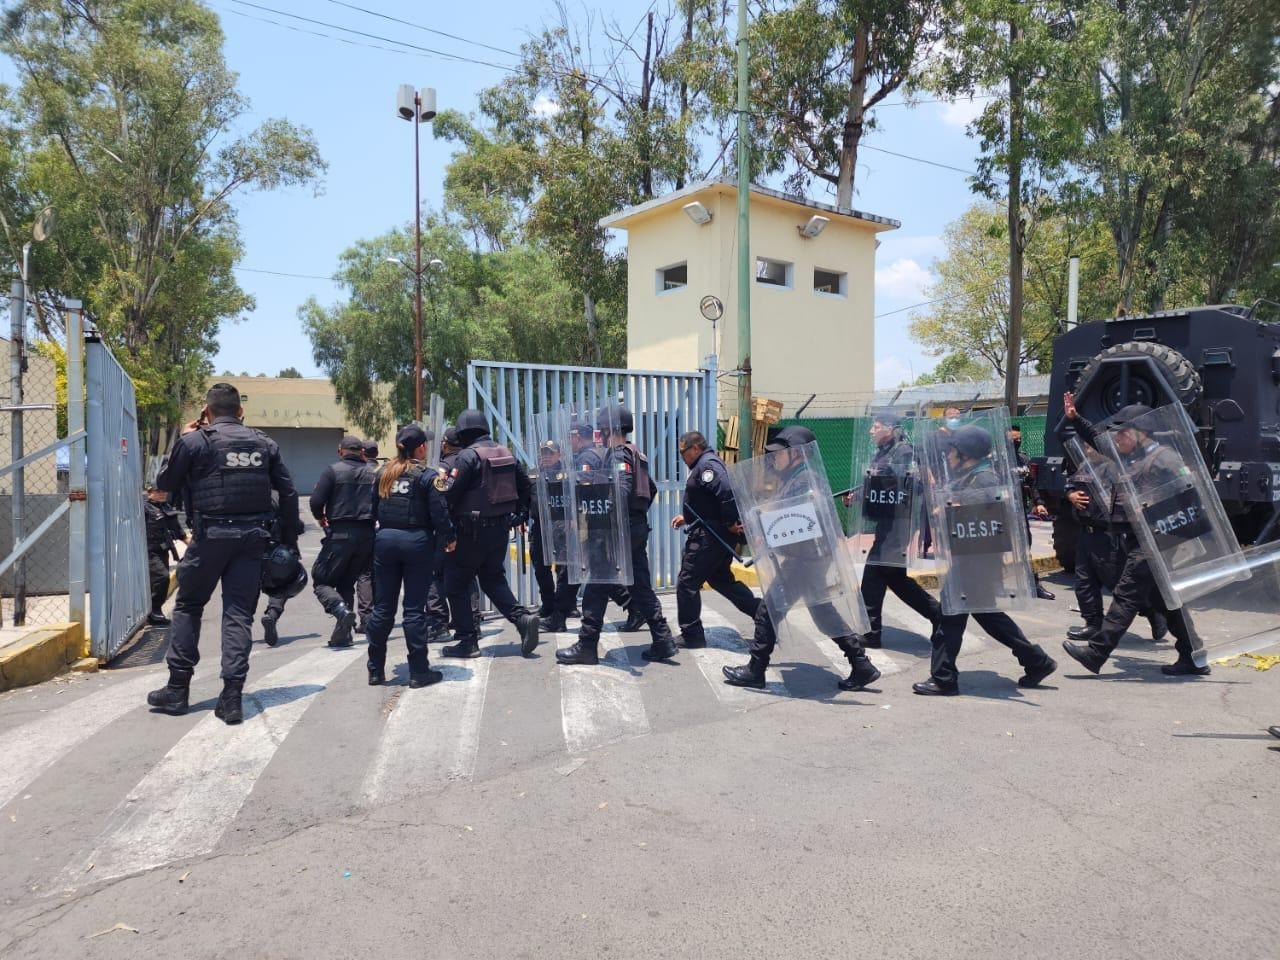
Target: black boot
<point x="580" y="652"/>
<point x="172" y="697"/>
<point x="750" y="674"/>
<point x="229" y="709"/>
<point x="863" y="672"/>
<point x="424" y="678"/>
<point x="346" y="621"/>
<point x="872" y="641"/>
<point x="663" y="646"/>
<point x="156" y="618"/>
<point x="1084" y="655"/>
<point x="552" y="623"/>
<point x="377" y="676"/>
<point x="932" y="688"/>
<point x="467" y="648"/>
<point x="1083" y="633"/>
<point x="693" y="639"/>
<point x="635" y="622"/>
<point x="269" y="634"/>
<point x="1033" y="678"/>
<point x="528" y="624"/>
<point x="1184" y="668"/>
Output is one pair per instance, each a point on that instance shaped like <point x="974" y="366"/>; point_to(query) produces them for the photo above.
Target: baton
<point x="746" y="562"/>
<point x="520" y="550"/>
<point x="844" y="493"/>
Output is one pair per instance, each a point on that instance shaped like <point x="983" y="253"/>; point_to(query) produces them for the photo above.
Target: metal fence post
<point x="77" y="494"/>
<point x="17" y="333"/>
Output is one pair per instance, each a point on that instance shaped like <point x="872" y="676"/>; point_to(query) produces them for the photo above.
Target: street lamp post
<point x="433" y="264"/>
<point x="416" y="107"/>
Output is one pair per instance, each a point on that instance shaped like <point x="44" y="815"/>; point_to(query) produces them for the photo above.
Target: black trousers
<point x="481" y="555"/>
<point x="1135" y="589"/>
<point x="401" y="559"/>
<point x="999" y="626"/>
<point x="231" y="557"/>
<point x="707" y="561"/>
<point x="345" y="555"/>
<point x="158" y="569"/>
<point x="275" y="607"/>
<point x="826" y="617"/>
<point x="1100" y="557"/>
<point x="596" y="596"/>
<point x="437" y="602"/>
<point x="876" y="579"/>
<point x="364" y="595"/>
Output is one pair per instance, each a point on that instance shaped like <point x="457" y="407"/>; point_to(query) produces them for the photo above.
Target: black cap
<point x="351" y="443"/>
<point x="451" y="437"/>
<point x="550" y="445"/>
<point x="371" y="450"/>
<point x="789" y="437"/>
<point x="972" y="443"/>
<point x="1127" y="414"/>
<point x="583" y="428"/>
<point x="887" y="418"/>
<point x="410" y="438"/>
<point x="615" y="418"/>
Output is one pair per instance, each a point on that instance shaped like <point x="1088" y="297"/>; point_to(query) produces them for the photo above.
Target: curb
<point x="41" y="654"/>
<point x="1042" y="563"/>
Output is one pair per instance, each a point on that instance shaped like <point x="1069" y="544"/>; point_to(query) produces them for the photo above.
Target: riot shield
<point x="1239" y="612"/>
<point x="553" y="468"/>
<point x="433" y="427"/>
<point x="1169" y="497"/>
<point x="598" y="535"/>
<point x="882" y="504"/>
<point x="975" y="506"/>
<point x="805" y="565"/>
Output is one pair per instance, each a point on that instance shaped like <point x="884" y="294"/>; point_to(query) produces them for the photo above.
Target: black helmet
<point x="972" y="443"/>
<point x="1127" y="414"/>
<point x="283" y="576"/>
<point x="789" y="437"/>
<point x="615" y="418"/>
<point x="471" y="426"/>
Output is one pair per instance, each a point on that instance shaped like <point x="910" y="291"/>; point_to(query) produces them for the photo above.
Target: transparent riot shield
<point x="805" y="564"/>
<point x="1171" y="503"/>
<point x="1236" y="605"/>
<point x="1099" y="474"/>
<point x="552" y="469"/>
<point x="882" y="503"/>
<point x="433" y="427"/>
<point x="598" y="535"/>
<point x="975" y="506"/>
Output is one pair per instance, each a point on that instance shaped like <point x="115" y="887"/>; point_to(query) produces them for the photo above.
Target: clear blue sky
<point x="346" y="95"/>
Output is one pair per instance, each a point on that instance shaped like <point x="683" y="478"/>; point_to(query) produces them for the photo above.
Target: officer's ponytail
<point x="408" y="440"/>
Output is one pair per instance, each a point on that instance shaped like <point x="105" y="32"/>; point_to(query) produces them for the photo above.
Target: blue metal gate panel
<point x="665" y="403"/>
<point x="119" y="592"/>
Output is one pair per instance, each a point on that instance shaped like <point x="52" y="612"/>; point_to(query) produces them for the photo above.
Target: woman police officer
<point x="409" y="506"/>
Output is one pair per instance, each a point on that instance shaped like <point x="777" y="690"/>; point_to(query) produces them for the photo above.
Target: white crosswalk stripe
<point x="601" y="704"/>
<point x="182" y="807"/>
<point x="34" y="747"/>
<point x="725" y="648"/>
<point x="432" y="736"/>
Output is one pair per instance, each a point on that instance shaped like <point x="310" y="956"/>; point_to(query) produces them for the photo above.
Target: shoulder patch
<point x="708" y="476"/>
<point x="441" y="483"/>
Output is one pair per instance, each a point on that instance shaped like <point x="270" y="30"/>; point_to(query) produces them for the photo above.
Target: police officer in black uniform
<point x="409" y="506"/>
<point x="1032" y="504"/>
<point x="968" y="451"/>
<point x="228" y="471"/>
<point x="710" y="515"/>
<point x="1101" y="548"/>
<point x="163" y="528"/>
<point x="559" y="596"/>
<point x="1135" y="588"/>
<point x="793" y="481"/>
<point x="589" y="455"/>
<point x="342" y="503"/>
<point x="894" y="456"/>
<point x="487" y="493"/>
<point x="437" y="604"/>
<point x="364" y="583"/>
<point x="632" y="466"/>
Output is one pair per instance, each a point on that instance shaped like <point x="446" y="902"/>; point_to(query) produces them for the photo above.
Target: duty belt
<point x="235" y="520"/>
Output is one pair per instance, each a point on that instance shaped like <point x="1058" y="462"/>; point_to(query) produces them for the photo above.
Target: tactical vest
<point x="233" y="476"/>
<point x="642" y="492"/>
<point x="404" y="508"/>
<point x="352" y="495"/>
<point x="496" y="493"/>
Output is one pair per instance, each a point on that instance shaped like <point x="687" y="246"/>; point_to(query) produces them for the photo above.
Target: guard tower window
<point x="673" y="277"/>
<point x="834" y="283"/>
<point x="775" y="273"/>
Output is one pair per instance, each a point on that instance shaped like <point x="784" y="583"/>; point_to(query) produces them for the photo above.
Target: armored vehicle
<point x="1220" y="362"/>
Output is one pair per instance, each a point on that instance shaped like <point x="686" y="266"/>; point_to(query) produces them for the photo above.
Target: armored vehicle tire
<point x="1065" y="533"/>
<point x="1182" y="375"/>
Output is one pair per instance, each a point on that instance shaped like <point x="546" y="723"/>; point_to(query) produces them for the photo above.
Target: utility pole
<point x="744" y="244"/>
<point x="417" y="107"/>
<point x="1014" y="352"/>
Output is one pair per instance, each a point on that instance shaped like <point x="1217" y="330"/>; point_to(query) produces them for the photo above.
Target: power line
<point x="282" y="273"/>
<point x="907" y="156"/>
<point x="326" y="36"/>
<point x="418" y="26"/>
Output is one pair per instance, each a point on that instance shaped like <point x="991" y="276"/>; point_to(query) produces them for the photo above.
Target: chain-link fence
<point x="34" y="482"/>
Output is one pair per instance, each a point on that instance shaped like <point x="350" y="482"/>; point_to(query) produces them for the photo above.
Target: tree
<point x="819" y="68"/>
<point x="289" y="373"/>
<point x="969" y="326"/>
<point x="122" y="121"/>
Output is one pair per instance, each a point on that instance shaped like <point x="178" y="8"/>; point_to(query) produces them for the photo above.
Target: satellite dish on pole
<point x="42" y="229"/>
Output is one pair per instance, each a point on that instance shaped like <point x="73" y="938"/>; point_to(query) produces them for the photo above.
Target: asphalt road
<point x="646" y="810"/>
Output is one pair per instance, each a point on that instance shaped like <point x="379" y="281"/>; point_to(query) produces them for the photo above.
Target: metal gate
<point x="665" y="403"/>
<point x="119" y="592"/>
